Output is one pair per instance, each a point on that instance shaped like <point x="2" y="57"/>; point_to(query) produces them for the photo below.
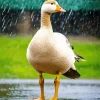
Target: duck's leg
<point x="56" y="83"/>
<point x="41" y="82"/>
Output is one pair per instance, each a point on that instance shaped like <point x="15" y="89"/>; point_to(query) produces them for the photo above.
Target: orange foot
<point x="38" y="99"/>
<point x="53" y="99"/>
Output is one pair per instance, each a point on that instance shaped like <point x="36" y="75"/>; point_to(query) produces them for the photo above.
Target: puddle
<point x="69" y="89"/>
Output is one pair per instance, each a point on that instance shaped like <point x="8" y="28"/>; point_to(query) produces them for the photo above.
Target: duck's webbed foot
<point x="39" y="98"/>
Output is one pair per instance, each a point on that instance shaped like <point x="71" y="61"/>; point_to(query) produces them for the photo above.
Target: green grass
<point x="13" y="62"/>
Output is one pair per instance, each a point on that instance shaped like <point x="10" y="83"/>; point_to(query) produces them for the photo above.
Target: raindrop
<point x="16" y="21"/>
<point x="24" y="17"/>
<point x="34" y="25"/>
<point x="68" y="16"/>
<point x="22" y="11"/>
<point x="4" y="9"/>
<point x="32" y="15"/>
<point x="74" y="22"/>
<point x="3" y="23"/>
<point x="3" y="29"/>
<point x="10" y="23"/>
<point x="8" y="10"/>
<point x="11" y="33"/>
<point x="37" y="19"/>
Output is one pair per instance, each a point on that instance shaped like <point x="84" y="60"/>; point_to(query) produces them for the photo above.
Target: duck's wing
<point x="72" y="72"/>
<point x="63" y="38"/>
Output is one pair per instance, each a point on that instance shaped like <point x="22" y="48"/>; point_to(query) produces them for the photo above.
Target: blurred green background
<point x="13" y="62"/>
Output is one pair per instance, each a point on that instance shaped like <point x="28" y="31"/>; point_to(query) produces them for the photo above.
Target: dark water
<point x="69" y="89"/>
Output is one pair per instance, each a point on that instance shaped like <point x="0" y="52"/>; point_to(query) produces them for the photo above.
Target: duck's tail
<point x="72" y="74"/>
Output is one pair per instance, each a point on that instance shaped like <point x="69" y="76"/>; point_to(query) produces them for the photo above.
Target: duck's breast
<point x="44" y="56"/>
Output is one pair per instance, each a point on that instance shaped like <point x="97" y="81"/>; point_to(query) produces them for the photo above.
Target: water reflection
<point x="69" y="89"/>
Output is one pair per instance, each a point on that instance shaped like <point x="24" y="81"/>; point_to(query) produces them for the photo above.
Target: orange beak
<point x="59" y="9"/>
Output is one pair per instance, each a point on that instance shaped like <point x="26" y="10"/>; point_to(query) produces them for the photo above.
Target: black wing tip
<point x="72" y="74"/>
<point x="79" y="56"/>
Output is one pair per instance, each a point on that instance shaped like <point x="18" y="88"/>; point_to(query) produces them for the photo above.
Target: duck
<point x="51" y="52"/>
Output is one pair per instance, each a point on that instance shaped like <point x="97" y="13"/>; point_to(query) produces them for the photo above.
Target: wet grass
<point x="13" y="62"/>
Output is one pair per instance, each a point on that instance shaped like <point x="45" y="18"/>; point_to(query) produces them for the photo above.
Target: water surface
<point x="69" y="89"/>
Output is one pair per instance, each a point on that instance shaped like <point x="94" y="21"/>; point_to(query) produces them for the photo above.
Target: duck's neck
<point x="45" y="20"/>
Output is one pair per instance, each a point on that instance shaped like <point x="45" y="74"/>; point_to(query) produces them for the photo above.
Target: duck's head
<point x="51" y="6"/>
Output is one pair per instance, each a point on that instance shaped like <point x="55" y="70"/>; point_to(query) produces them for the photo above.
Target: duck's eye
<point x="52" y="3"/>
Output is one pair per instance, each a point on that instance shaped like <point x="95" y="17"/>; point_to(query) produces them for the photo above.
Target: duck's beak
<point x="59" y="9"/>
